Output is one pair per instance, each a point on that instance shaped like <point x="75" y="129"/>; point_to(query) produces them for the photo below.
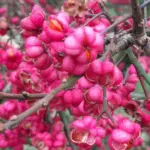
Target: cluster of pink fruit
<point x="42" y="135"/>
<point x="88" y="131"/>
<point x="8" y="20"/>
<point x="57" y="47"/>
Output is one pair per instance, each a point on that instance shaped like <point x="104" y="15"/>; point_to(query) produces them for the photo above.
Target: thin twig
<point x="105" y="107"/>
<point x="47" y="116"/>
<point x="125" y="77"/>
<point x="145" y="4"/>
<point x="66" y="129"/>
<point x="91" y="19"/>
<point x="103" y="7"/>
<point x="42" y="102"/>
<point x="118" y="21"/>
<point x="143" y="86"/>
<point x="138" y="66"/>
<point x="121" y="59"/>
<point x="22" y="96"/>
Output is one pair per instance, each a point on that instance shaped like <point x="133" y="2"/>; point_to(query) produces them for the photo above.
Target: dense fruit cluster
<point x="56" y="47"/>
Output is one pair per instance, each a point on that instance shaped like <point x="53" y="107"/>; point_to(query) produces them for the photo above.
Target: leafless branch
<point x="41" y="103"/>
